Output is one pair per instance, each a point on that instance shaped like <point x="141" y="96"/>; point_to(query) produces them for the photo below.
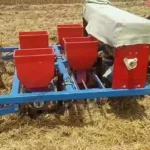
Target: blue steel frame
<point x="71" y="91"/>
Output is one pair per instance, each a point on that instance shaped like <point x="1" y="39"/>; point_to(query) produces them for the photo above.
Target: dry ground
<point x="126" y="125"/>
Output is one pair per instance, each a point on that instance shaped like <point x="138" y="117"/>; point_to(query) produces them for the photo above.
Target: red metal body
<point x="69" y="30"/>
<point x="35" y="67"/>
<point x="81" y="52"/>
<point x="148" y="3"/>
<point x="136" y="78"/>
<point x="35" y="39"/>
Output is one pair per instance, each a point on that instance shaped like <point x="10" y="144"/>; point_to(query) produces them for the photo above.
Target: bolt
<point x="124" y="86"/>
<point x="59" y="57"/>
<point x="138" y="86"/>
<point x="16" y="109"/>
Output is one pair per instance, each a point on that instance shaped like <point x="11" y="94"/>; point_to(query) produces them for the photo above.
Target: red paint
<point x="81" y="52"/>
<point x="130" y="78"/>
<point x="148" y="3"/>
<point x="34" y="39"/>
<point x="35" y="67"/>
<point x="69" y="30"/>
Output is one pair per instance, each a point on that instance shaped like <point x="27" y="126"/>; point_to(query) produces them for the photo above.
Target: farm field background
<point x="125" y="125"/>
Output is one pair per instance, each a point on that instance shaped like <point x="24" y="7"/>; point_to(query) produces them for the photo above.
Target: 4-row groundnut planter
<point x="72" y="70"/>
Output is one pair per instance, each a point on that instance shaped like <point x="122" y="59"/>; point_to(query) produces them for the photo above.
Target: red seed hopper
<point x="35" y="67"/>
<point x="69" y="30"/>
<point x="81" y="52"/>
<point x="34" y="39"/>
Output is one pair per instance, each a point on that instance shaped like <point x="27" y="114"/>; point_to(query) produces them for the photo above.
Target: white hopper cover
<point x="98" y="1"/>
<point x="114" y="26"/>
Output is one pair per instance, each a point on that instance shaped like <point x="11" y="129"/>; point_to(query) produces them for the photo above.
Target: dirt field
<point x="126" y="124"/>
